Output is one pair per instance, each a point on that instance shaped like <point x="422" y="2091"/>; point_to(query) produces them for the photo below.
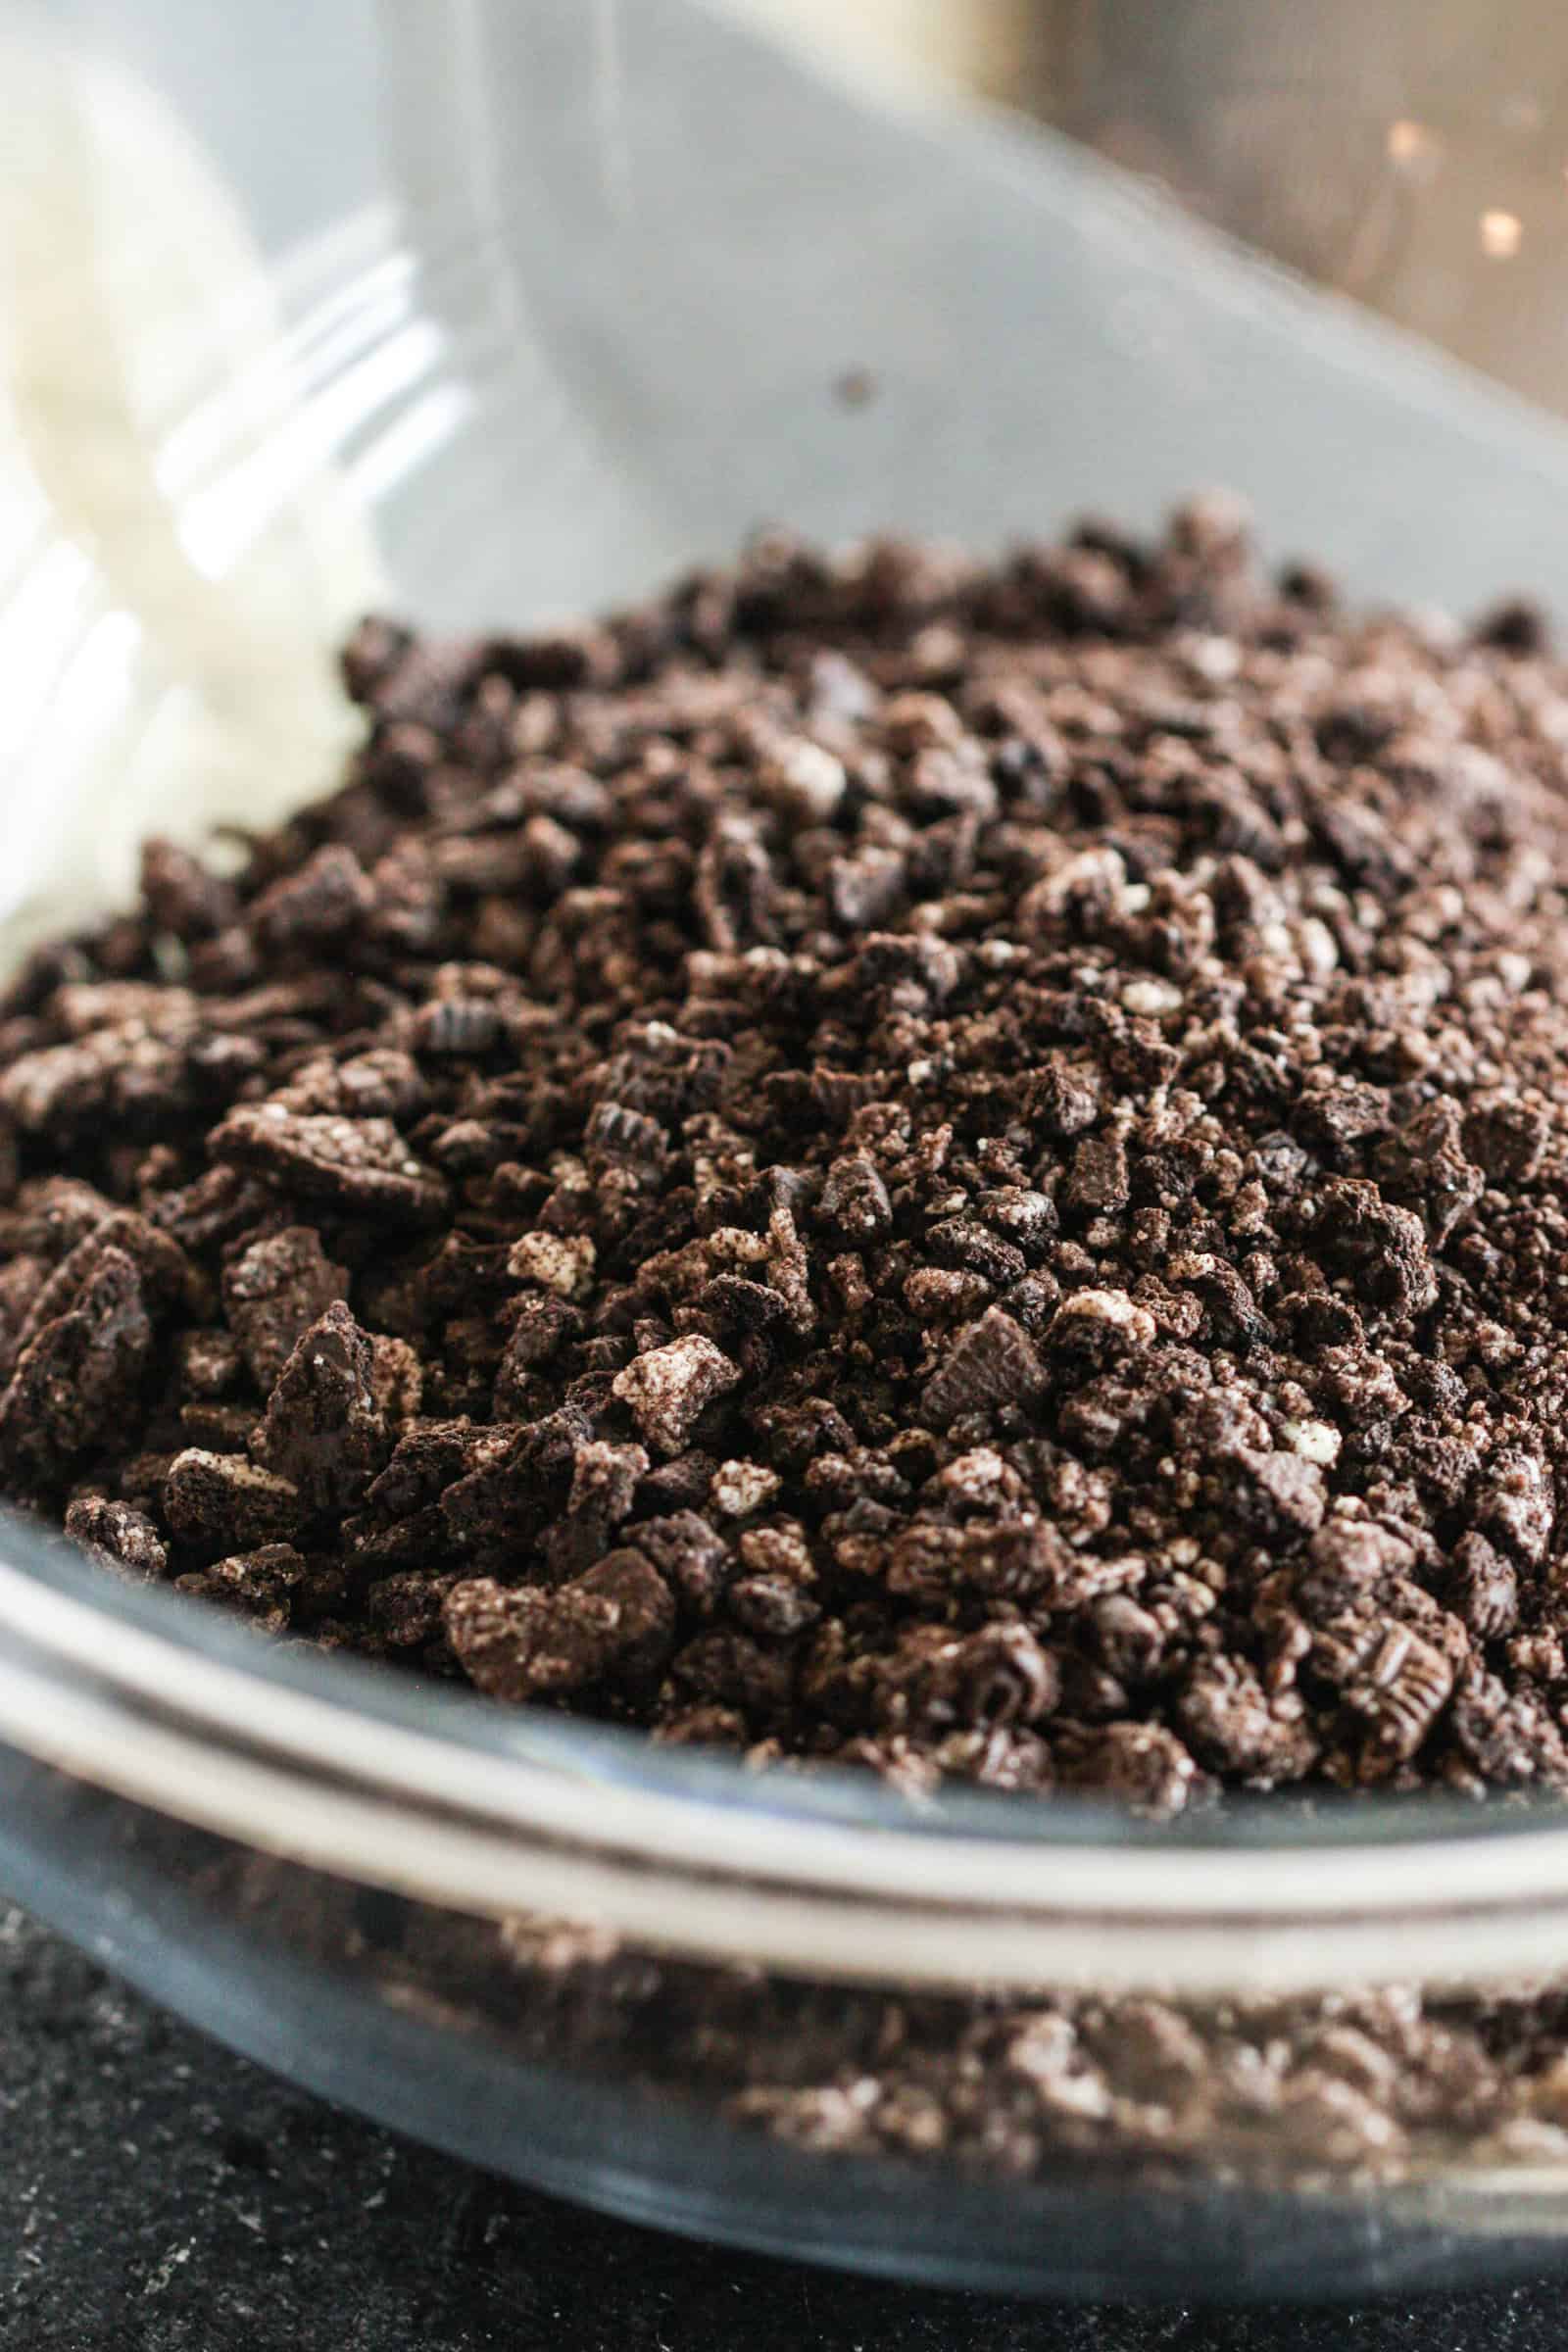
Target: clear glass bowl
<point x="615" y="284"/>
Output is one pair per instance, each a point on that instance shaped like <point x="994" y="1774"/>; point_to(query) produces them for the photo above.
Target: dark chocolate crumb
<point x="955" y="1168"/>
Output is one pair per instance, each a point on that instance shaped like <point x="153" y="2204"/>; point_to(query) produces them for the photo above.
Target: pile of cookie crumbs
<point x="955" y="1167"/>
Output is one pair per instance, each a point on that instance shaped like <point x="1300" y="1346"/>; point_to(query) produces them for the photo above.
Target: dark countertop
<point x="158" y="2195"/>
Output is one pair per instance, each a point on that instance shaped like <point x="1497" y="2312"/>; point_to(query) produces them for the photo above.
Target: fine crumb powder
<point x="955" y="1169"/>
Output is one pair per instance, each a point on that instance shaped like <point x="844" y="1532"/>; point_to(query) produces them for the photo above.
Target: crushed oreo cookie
<point x="1362" y="2088"/>
<point x="955" y="1168"/>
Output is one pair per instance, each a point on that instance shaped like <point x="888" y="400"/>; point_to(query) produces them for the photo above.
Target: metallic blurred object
<point x="1413" y="153"/>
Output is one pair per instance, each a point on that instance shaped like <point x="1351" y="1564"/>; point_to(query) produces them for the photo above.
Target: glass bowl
<point x="610" y="287"/>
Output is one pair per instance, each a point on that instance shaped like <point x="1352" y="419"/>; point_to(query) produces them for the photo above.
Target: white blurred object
<point x="167" y="503"/>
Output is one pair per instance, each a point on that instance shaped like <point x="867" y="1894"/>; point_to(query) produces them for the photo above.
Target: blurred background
<point x="1413" y="153"/>
<point x="481" y="307"/>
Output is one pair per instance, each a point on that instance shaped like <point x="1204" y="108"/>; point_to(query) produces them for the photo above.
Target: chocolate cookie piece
<point x="272" y="1291"/>
<point x="998" y="1128"/>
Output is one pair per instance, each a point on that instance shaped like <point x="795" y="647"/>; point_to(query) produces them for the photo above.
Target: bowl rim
<point x="451" y="1798"/>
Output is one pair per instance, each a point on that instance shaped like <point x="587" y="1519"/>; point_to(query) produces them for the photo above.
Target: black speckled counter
<point x="159" y="2196"/>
